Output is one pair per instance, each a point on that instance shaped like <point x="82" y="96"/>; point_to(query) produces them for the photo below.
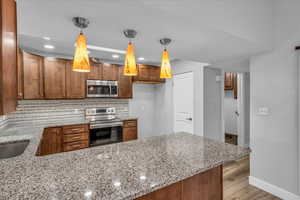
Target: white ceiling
<point x="202" y="30"/>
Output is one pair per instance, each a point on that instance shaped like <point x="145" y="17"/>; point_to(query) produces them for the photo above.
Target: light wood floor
<point x="236" y="186"/>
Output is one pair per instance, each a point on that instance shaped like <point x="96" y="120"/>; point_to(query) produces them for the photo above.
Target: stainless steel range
<point x="105" y="126"/>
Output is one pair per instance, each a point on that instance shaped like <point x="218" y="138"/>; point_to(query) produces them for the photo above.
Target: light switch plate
<point x="263" y="111"/>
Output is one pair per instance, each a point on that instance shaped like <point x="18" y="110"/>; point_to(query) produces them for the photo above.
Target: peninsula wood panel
<point x="32" y="76"/>
<point x="20" y="73"/>
<point x="110" y="72"/>
<point x="75" y="82"/>
<point x="130" y="130"/>
<point x="51" y="141"/>
<point x="8" y="61"/>
<point x="124" y="84"/>
<point x="55" y="78"/>
<point x="207" y="185"/>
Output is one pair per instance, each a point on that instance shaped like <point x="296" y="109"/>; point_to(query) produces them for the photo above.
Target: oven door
<point x="107" y="135"/>
<point x="98" y="90"/>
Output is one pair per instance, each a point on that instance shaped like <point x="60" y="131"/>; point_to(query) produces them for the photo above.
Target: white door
<point x="183" y="90"/>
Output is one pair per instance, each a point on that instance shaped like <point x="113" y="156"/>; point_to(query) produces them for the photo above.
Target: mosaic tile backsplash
<point x="48" y="111"/>
<point x="3" y="121"/>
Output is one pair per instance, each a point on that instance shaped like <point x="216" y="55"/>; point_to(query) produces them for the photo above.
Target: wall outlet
<point x="263" y="111"/>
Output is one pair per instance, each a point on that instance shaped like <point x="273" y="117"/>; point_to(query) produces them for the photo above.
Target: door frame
<point x="241" y="108"/>
<point x="193" y="114"/>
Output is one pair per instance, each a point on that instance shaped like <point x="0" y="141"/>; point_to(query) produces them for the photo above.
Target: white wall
<point x="213" y="126"/>
<point x="274" y="138"/>
<point x="142" y="105"/>
<point x="230" y="106"/>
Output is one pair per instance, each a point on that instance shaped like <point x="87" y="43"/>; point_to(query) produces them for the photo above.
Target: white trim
<point x="272" y="189"/>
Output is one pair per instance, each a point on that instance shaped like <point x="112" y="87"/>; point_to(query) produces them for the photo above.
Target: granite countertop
<point x="118" y="171"/>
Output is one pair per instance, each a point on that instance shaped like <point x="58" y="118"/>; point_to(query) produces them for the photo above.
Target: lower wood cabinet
<point x="51" y="141"/>
<point x="207" y="185"/>
<point x="130" y="130"/>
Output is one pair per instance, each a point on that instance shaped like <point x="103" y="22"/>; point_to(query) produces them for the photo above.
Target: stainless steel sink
<point x="12" y="149"/>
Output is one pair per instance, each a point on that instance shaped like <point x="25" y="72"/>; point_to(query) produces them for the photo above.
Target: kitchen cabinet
<point x="124" y="84"/>
<point x="110" y="72"/>
<point x="148" y="74"/>
<point x="51" y="141"/>
<point x="75" y="137"/>
<point x="235" y="86"/>
<point x="129" y="130"/>
<point x="32" y="76"/>
<point x="207" y="185"/>
<point x="75" y="83"/>
<point x="96" y="71"/>
<point x="228" y="81"/>
<point x="55" y="78"/>
<point x="8" y="59"/>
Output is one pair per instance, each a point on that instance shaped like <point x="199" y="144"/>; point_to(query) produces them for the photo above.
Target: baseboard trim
<point x="272" y="189"/>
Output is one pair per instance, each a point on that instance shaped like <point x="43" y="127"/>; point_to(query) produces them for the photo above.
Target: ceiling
<point x="201" y="30"/>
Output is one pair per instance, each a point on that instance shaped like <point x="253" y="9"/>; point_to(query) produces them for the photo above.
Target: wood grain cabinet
<point x="32" y="76"/>
<point x="75" y="137"/>
<point x="230" y="82"/>
<point x="207" y="185"/>
<point x="75" y="83"/>
<point x="8" y="59"/>
<point x="96" y="72"/>
<point x="110" y="72"/>
<point x="148" y="74"/>
<point x="55" y="78"/>
<point x="130" y="130"/>
<point x="51" y="141"/>
<point x="124" y="84"/>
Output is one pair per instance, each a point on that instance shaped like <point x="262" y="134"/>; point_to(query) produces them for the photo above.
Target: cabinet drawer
<point x="129" y="133"/>
<point x="76" y="137"/>
<point x="130" y="123"/>
<point x="76" y="145"/>
<point x="75" y="129"/>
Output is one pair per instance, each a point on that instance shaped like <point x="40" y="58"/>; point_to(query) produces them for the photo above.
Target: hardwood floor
<point x="236" y="186"/>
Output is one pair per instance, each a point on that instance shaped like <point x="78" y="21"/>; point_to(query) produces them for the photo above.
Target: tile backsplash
<point x="3" y="121"/>
<point x="51" y="111"/>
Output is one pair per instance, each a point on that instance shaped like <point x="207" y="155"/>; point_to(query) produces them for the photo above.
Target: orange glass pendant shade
<point x="81" y="61"/>
<point x="130" y="68"/>
<point x="165" y="69"/>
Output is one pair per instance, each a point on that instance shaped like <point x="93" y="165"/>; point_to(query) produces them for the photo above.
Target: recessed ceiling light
<point x="48" y="46"/>
<point x="141" y="58"/>
<point x="46" y="38"/>
<point x="105" y="49"/>
<point x="115" y="56"/>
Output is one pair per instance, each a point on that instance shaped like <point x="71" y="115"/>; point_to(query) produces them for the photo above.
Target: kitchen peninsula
<point x="160" y="167"/>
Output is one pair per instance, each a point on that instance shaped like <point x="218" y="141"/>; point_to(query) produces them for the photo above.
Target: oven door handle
<point x="95" y="126"/>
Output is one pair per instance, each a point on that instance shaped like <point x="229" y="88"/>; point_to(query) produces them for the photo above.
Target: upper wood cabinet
<point x="124" y="84"/>
<point x="110" y="72"/>
<point x="55" y="78"/>
<point x="8" y="59"/>
<point x="228" y="81"/>
<point x="148" y="74"/>
<point x="75" y="82"/>
<point x="32" y="76"/>
<point x="96" y="71"/>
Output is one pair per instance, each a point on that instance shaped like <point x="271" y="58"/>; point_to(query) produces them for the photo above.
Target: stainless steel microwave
<point x="98" y="88"/>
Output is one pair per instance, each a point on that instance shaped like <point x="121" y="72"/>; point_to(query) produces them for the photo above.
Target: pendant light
<point x="81" y="61"/>
<point x="165" y="69"/>
<point x="130" y="68"/>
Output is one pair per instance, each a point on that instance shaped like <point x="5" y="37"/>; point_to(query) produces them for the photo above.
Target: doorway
<point x="183" y="95"/>
<point x="236" y="108"/>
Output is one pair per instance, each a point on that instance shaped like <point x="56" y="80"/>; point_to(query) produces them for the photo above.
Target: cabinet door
<point x="143" y="73"/>
<point x="51" y="142"/>
<point x="32" y="76"/>
<point x="75" y="82"/>
<point x="20" y="73"/>
<point x="110" y="72"/>
<point x="228" y="81"/>
<point x="124" y="84"/>
<point x="129" y="133"/>
<point x="55" y="78"/>
<point x="96" y="71"/>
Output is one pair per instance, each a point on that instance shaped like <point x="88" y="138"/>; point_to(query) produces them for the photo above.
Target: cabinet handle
<point x="76" y="129"/>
